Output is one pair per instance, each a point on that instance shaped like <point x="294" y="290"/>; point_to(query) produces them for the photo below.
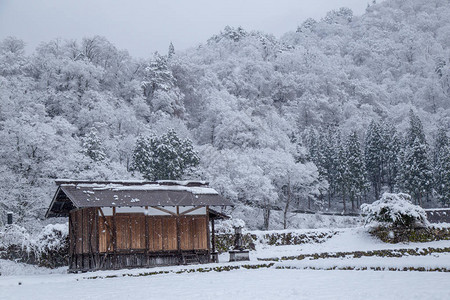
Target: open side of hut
<point x="126" y="224"/>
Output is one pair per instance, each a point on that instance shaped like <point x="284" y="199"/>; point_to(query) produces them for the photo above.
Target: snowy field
<point x="347" y="240"/>
<point x="240" y="284"/>
<point x="282" y="279"/>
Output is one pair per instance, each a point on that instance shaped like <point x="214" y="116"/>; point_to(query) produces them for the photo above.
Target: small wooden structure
<point x="126" y="224"/>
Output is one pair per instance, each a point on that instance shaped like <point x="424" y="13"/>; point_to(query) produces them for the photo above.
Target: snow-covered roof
<point x="73" y="194"/>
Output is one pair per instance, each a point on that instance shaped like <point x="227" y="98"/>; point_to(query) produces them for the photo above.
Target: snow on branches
<point x="395" y="210"/>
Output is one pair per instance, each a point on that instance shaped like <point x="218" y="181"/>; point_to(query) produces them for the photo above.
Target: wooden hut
<point x="126" y="224"/>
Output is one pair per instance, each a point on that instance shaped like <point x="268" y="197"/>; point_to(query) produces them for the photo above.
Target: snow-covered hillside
<point x="328" y="116"/>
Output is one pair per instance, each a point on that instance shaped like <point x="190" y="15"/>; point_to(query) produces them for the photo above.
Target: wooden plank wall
<point x="132" y="240"/>
<point x="105" y="233"/>
<point x="193" y="232"/>
<point x="153" y="233"/>
<point x="84" y="231"/>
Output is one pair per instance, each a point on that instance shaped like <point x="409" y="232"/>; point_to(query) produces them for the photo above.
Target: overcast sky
<point x="145" y="26"/>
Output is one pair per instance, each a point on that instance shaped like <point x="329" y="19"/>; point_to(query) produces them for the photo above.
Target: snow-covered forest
<point x="327" y="117"/>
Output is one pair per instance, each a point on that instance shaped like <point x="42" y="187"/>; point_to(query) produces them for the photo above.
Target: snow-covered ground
<point x="346" y="240"/>
<point x="8" y="268"/>
<point x="288" y="279"/>
<point x="428" y="262"/>
<point x="240" y="284"/>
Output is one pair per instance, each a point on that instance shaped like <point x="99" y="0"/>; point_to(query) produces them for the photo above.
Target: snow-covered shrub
<point x="48" y="248"/>
<point x="395" y="210"/>
<point x="254" y="239"/>
<point x="227" y="226"/>
<point x="52" y="238"/>
<point x="51" y="245"/>
<point x="15" y="236"/>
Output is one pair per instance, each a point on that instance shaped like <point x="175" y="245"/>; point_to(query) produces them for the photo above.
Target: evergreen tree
<point x="158" y="76"/>
<point x="392" y="143"/>
<point x="415" y="130"/>
<point x="143" y="156"/>
<point x="92" y="146"/>
<point x="324" y="151"/>
<point x="315" y="145"/>
<point x="355" y="170"/>
<point x="317" y="152"/>
<point x="171" y="51"/>
<point x="441" y="167"/>
<point x="374" y="151"/>
<point x="164" y="158"/>
<point x="329" y="145"/>
<point x="440" y="143"/>
<point x="341" y="170"/>
<point x="415" y="173"/>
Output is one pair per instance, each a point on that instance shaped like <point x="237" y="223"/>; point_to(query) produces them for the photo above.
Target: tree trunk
<point x="286" y="208"/>
<point x="329" y="201"/>
<point x="375" y="189"/>
<point x="352" y="199"/>
<point x="266" y="217"/>
<point x="343" y="201"/>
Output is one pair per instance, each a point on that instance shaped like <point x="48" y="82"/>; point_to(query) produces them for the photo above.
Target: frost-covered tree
<point x="415" y="130"/>
<point x="92" y="146"/>
<point x="296" y="183"/>
<point x="342" y="171"/>
<point x="391" y="155"/>
<point x="441" y="141"/>
<point x="381" y="149"/>
<point x="374" y="151"/>
<point x="415" y="174"/>
<point x="442" y="180"/>
<point x="159" y="87"/>
<point x="395" y="210"/>
<point x="158" y="76"/>
<point x="142" y="156"/>
<point x="441" y="167"/>
<point x="171" y="51"/>
<point x="231" y="33"/>
<point x="343" y="15"/>
<point x="12" y="56"/>
<point x="166" y="157"/>
<point x="356" y="171"/>
<point x="330" y="150"/>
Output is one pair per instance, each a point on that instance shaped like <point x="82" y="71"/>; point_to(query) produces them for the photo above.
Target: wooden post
<point x="147" y="242"/>
<point x="179" y="235"/>
<point x="208" y="234"/>
<point x="71" y="241"/>
<point x="97" y="239"/>
<point x="89" y="236"/>
<point x="114" y="237"/>
<point x="213" y="236"/>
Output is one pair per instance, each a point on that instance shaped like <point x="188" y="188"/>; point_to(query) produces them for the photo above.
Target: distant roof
<point x="73" y="194"/>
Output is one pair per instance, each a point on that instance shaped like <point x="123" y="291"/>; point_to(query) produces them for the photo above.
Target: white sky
<point x="145" y="26"/>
